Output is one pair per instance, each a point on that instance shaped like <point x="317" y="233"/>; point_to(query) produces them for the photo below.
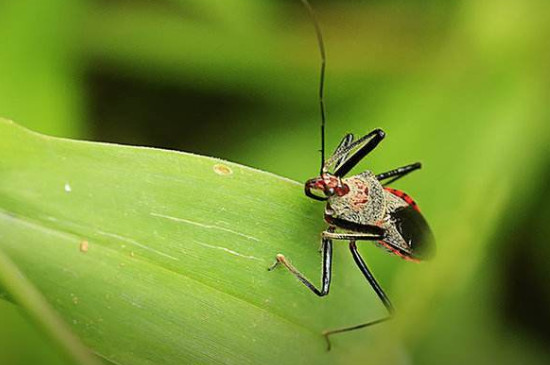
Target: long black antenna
<point x="322" y="77"/>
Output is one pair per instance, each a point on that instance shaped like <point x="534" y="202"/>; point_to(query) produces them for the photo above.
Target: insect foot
<point x="327" y="339"/>
<point x="279" y="258"/>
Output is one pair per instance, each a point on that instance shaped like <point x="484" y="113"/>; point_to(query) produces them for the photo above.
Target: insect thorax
<point x="363" y="204"/>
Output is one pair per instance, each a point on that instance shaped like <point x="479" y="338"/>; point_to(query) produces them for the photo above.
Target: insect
<point x="361" y="208"/>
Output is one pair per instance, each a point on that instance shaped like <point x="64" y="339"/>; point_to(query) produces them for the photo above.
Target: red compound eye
<point x="342" y="190"/>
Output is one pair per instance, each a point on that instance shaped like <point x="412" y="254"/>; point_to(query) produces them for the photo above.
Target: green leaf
<point x="30" y="299"/>
<point x="156" y="256"/>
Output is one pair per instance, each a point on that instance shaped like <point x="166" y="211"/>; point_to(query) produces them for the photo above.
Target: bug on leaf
<point x="361" y="208"/>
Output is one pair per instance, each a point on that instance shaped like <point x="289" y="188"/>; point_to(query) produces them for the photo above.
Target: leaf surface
<point x="156" y="256"/>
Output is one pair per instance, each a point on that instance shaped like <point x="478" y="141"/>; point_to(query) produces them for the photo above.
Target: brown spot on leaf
<point x="84" y="246"/>
<point x="221" y="169"/>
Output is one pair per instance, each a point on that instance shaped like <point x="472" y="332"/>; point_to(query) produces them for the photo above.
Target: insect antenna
<point x="321" y="77"/>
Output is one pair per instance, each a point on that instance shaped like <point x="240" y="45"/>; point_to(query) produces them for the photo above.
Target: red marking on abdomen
<point x="403" y="196"/>
<point x="395" y="251"/>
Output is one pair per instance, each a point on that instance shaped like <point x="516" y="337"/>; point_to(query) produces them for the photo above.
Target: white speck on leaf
<point x="68" y="188"/>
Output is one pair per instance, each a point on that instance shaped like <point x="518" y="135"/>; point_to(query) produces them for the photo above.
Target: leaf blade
<point x="176" y="253"/>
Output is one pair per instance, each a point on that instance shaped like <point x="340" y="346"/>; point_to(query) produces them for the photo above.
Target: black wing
<point x="349" y="152"/>
<point x="414" y="229"/>
<point x="340" y="154"/>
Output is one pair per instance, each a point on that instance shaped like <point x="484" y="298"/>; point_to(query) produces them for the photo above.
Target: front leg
<point x="326" y="253"/>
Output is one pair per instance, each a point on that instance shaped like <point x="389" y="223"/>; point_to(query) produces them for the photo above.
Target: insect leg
<point x="364" y="146"/>
<point x="326" y="251"/>
<point x="377" y="288"/>
<point x="308" y="192"/>
<point x="398" y="173"/>
<point x="343" y="145"/>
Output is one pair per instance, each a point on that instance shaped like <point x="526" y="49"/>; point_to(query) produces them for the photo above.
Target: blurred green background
<point x="462" y="86"/>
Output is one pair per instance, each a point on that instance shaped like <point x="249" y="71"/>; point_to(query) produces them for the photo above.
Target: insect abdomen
<point x="403" y="196"/>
